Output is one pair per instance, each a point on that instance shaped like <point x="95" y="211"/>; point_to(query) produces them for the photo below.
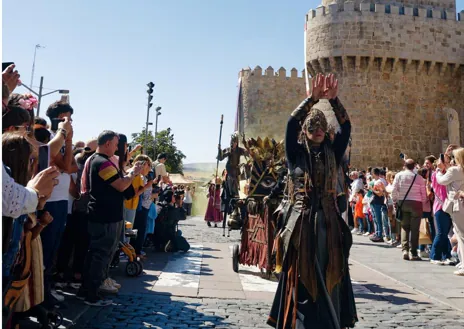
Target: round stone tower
<point x="399" y="66"/>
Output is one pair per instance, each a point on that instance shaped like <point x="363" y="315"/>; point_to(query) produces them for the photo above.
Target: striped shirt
<point x="401" y="184"/>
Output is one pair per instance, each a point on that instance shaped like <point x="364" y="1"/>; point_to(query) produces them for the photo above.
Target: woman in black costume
<point x="315" y="287"/>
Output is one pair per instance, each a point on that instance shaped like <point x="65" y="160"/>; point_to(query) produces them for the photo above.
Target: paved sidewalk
<point x="199" y="289"/>
<point x="435" y="281"/>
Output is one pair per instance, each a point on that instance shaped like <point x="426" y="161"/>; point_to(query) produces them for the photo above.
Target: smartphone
<point x="401" y="156"/>
<point x="159" y="178"/>
<point x="442" y="158"/>
<point x="44" y="158"/>
<point x="55" y="123"/>
<point x="5" y="65"/>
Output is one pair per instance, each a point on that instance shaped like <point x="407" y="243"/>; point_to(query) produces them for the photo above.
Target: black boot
<point x="209" y="224"/>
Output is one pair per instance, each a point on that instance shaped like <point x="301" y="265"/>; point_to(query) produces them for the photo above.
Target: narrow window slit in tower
<point x="351" y="62"/>
<point x="389" y="64"/>
<point x="427" y="66"/>
<point x="338" y="63"/>
<point x="364" y="63"/>
<point x="377" y="62"/>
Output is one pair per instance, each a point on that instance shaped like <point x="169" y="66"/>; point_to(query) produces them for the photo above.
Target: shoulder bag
<point x="399" y="211"/>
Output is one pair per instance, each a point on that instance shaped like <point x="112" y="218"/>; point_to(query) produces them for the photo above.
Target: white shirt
<point x="160" y="169"/>
<point x="188" y="197"/>
<point x="61" y="191"/>
<point x="453" y="179"/>
<point x="17" y="200"/>
<point x="401" y="184"/>
<point x="356" y="186"/>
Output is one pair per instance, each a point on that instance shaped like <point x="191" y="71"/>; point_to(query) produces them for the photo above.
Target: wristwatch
<point x="63" y="132"/>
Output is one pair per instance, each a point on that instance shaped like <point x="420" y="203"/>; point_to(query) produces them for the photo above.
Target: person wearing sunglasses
<point x="15" y="118"/>
<point x="315" y="241"/>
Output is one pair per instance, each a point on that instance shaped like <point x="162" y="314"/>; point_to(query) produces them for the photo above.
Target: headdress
<point x="234" y="138"/>
<point x="316" y="119"/>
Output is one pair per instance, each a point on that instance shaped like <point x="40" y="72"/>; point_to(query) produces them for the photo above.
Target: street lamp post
<point x="158" y="113"/>
<point x="40" y="94"/>
<point x="33" y="63"/>
<point x="150" y="86"/>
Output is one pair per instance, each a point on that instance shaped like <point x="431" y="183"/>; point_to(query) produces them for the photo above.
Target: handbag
<point x="425" y="237"/>
<point x="448" y="204"/>
<point x="399" y="211"/>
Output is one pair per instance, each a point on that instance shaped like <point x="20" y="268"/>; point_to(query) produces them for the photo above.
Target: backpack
<point x="80" y="204"/>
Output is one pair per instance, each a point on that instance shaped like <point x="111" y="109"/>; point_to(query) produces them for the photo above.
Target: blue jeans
<point x="51" y="234"/>
<point x="386" y="221"/>
<point x="369" y="225"/>
<point x="441" y="247"/>
<point x="360" y="224"/>
<point x="8" y="259"/>
<point x="51" y="237"/>
<point x="377" y="214"/>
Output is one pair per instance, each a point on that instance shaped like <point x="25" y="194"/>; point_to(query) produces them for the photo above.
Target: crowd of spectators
<point x="419" y="209"/>
<point x="67" y="205"/>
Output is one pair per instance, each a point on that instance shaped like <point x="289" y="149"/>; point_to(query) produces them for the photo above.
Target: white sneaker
<point x="458" y="265"/>
<point x="459" y="272"/>
<point x="354" y="231"/>
<point x="436" y="262"/>
<point x="107" y="287"/>
<point x="449" y="262"/>
<point x="366" y="234"/>
<point x="114" y="283"/>
<point x="424" y="254"/>
<point x="57" y="296"/>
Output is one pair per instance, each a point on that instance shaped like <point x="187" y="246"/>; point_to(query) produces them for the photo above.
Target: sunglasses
<point x="27" y="128"/>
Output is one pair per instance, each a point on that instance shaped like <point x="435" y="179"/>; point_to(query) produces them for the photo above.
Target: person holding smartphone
<point x="140" y="223"/>
<point x="107" y="188"/>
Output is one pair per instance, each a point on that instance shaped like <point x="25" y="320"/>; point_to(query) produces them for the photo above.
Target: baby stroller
<point x="134" y="266"/>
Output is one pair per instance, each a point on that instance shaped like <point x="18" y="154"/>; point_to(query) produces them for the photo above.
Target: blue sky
<point x="105" y="52"/>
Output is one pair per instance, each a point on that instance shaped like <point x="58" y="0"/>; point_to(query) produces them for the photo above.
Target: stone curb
<point x="409" y="286"/>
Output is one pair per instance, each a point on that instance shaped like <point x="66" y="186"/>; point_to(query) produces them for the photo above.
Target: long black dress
<point x="314" y="232"/>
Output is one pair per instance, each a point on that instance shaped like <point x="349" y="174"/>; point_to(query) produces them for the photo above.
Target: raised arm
<point x="294" y="128"/>
<point x="223" y="154"/>
<point x="448" y="177"/>
<point x="343" y="138"/>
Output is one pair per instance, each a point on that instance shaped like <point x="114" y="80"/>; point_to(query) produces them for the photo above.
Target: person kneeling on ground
<point x="167" y="237"/>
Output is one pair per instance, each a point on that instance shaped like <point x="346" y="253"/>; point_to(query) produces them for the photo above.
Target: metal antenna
<point x="33" y="63"/>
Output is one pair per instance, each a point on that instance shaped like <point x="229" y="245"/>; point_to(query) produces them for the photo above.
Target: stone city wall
<point x="268" y="98"/>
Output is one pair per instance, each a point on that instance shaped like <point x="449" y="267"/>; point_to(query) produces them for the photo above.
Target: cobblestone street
<point x="200" y="290"/>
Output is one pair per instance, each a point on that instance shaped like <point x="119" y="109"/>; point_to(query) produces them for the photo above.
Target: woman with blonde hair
<point x="453" y="179"/>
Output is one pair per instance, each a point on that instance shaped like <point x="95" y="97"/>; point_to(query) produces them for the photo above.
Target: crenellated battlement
<point x="358" y="64"/>
<point x="271" y="73"/>
<point x="381" y="9"/>
<point x="384" y="33"/>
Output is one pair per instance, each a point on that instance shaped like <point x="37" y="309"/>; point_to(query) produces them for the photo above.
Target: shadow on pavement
<point x="151" y="311"/>
<point x="396" y="297"/>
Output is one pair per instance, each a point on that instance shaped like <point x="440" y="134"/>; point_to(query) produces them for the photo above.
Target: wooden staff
<point x="217" y="163"/>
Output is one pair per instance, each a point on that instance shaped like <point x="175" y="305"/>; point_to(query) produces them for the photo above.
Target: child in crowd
<point x="359" y="213"/>
<point x="367" y="206"/>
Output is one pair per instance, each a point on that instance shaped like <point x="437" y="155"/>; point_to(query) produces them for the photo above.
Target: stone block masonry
<point x="400" y="69"/>
<point x="268" y="99"/>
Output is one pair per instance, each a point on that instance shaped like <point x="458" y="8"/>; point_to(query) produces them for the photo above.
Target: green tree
<point x="165" y="144"/>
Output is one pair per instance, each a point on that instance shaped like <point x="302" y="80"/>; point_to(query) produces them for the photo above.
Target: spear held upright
<point x="217" y="163"/>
